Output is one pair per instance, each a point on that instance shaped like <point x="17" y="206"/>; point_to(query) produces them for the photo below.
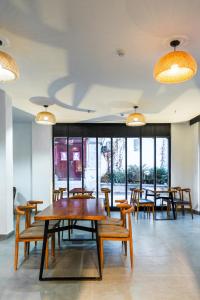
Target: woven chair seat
<point x="36" y="232"/>
<point x="111" y="221"/>
<point x="113" y="231"/>
<point x="180" y="202"/>
<point x="146" y="201"/>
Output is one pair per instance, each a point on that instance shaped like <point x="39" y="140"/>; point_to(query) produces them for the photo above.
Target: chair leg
<point x="191" y="210"/>
<point x="101" y="252"/>
<point x="35" y="244"/>
<point x="153" y="212"/>
<point x="131" y="252"/>
<point x="137" y="211"/>
<point x="16" y="255"/>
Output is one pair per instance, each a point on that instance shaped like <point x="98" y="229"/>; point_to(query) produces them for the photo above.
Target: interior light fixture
<point x="8" y="67"/>
<point x="135" y="119"/>
<point x="45" y="117"/>
<point x="175" y="66"/>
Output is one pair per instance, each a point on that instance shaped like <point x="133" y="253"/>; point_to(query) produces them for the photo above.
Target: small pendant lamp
<point x="45" y="117"/>
<point x="135" y="119"/>
<point x="8" y="67"/>
<point x="175" y="66"/>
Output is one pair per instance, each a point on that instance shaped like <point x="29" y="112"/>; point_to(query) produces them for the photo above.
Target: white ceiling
<point x="66" y="51"/>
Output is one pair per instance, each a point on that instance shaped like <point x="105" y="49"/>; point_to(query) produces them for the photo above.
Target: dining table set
<point x="88" y="209"/>
<point x="76" y="208"/>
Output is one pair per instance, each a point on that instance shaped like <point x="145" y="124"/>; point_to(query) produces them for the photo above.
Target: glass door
<point x="75" y="162"/>
<point x="148" y="172"/>
<point x="119" y="172"/>
<point x="89" y="164"/>
<point x="133" y="164"/>
<point x="162" y="163"/>
<point x="104" y="165"/>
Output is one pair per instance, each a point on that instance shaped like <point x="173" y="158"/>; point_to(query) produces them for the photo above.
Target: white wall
<point x="32" y="146"/>
<point x="185" y="158"/>
<point x="42" y="163"/>
<point x="22" y="161"/>
<point x="6" y="165"/>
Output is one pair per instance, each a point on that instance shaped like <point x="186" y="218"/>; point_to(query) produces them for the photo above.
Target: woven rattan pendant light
<point x="135" y="119"/>
<point x="45" y="117"/>
<point x="8" y="67"/>
<point x="175" y="66"/>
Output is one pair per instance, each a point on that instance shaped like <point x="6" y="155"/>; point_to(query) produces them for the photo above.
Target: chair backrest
<point x="23" y="210"/>
<point x="122" y="207"/>
<point x="56" y="195"/>
<point x="35" y="202"/>
<point x="128" y="212"/>
<point x="62" y="190"/>
<point x="176" y="191"/>
<point x="186" y="195"/>
<point x="135" y="195"/>
<point x="106" y="192"/>
<point x="82" y="196"/>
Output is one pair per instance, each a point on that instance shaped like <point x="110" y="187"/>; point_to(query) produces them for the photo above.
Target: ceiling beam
<point x="195" y="120"/>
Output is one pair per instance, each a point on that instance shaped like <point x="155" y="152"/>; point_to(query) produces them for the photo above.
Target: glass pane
<point x="60" y="163"/>
<point x="75" y="163"/>
<point x="162" y="176"/>
<point x="119" y="177"/>
<point x="89" y="163"/>
<point x="147" y="162"/>
<point x="104" y="162"/>
<point x="133" y="164"/>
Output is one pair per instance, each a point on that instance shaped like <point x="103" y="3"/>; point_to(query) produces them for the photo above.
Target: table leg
<point x="46" y="226"/>
<point x="98" y="250"/>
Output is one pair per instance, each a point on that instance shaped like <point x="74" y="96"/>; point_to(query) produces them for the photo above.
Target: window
<point x="60" y="163"/>
<point x="162" y="162"/>
<point x="89" y="164"/>
<point x="119" y="173"/>
<point x="117" y="163"/>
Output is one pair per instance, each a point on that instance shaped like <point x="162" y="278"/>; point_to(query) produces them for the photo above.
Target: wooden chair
<point x="29" y="234"/>
<point x="56" y="195"/>
<point x="53" y="223"/>
<point x="184" y="200"/>
<point x="106" y="192"/>
<point x="137" y="201"/>
<point x="117" y="233"/>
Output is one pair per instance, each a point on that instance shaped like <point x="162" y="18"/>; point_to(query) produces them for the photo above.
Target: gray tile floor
<point x="167" y="266"/>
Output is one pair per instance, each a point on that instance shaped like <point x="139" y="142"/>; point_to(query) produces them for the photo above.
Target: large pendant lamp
<point x="8" y="67"/>
<point x="175" y="66"/>
<point x="45" y="117"/>
<point x="135" y="119"/>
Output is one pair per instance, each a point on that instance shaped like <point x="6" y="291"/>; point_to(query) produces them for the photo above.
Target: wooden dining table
<point x="72" y="209"/>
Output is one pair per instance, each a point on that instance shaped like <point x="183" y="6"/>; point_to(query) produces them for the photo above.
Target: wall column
<point x="6" y="166"/>
<point x="42" y="163"/>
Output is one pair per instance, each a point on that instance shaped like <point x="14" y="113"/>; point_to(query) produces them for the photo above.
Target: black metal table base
<point x="69" y="227"/>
